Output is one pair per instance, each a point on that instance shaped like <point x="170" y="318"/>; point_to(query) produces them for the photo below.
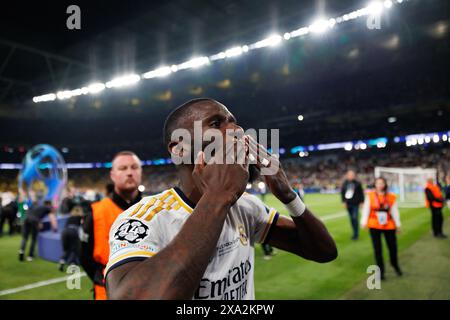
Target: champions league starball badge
<point x="43" y="175"/>
<point x="132" y="231"/>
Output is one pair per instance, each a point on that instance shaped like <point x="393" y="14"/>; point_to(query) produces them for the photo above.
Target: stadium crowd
<point x="317" y="172"/>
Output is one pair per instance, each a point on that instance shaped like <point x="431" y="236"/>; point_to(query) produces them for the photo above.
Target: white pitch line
<point x="334" y="216"/>
<point x="39" y="284"/>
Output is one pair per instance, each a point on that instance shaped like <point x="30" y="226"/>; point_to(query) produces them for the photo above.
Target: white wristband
<point x="296" y="207"/>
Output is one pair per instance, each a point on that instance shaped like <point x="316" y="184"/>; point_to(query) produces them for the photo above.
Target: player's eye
<point x="215" y="124"/>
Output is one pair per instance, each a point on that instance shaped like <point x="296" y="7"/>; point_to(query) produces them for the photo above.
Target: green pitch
<point x="425" y="261"/>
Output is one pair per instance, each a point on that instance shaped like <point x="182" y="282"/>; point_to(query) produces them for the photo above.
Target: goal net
<point x="407" y="183"/>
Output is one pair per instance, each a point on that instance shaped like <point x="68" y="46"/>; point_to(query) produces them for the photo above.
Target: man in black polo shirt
<point x="352" y="197"/>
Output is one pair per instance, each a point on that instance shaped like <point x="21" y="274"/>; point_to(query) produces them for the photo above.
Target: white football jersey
<point x="148" y="226"/>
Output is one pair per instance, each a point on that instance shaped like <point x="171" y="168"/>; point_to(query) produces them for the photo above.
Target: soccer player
<point x="197" y="241"/>
<point x="126" y="173"/>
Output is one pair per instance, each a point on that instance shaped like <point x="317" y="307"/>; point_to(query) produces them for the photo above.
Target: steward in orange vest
<point x="95" y="252"/>
<point x="381" y="216"/>
<point x="435" y="201"/>
<point x="126" y="174"/>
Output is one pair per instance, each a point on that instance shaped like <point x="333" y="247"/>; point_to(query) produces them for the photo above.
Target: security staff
<point x="435" y="201"/>
<point x="126" y="174"/>
<point x="381" y="216"/>
<point x="352" y="196"/>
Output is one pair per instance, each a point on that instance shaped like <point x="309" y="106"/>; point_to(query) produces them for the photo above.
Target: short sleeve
<point x="263" y="218"/>
<point x="134" y="235"/>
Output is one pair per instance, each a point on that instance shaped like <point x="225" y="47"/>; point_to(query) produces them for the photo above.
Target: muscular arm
<point x="175" y="272"/>
<point x="305" y="236"/>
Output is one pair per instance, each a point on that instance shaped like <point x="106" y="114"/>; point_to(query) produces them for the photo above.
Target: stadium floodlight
<point x="141" y="188"/>
<point x="392" y="119"/>
<point x="444" y="137"/>
<point x="299" y="32"/>
<point x="96" y="87"/>
<point x="270" y="41"/>
<point x="160" y="72"/>
<point x="427" y="139"/>
<point x="374" y="8"/>
<point x="233" y="52"/>
<point x="123" y="81"/>
<point x="193" y="63"/>
<point x="45" y="97"/>
<point x="348" y="147"/>
<point x="320" y="26"/>
<point x="300" y="117"/>
<point x="436" y="138"/>
<point x="66" y="94"/>
<point x="248" y="186"/>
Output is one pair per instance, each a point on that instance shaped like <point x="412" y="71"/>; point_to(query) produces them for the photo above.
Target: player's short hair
<point x="124" y="153"/>
<point x="174" y="118"/>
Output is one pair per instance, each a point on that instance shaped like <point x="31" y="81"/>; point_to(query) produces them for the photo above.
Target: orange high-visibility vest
<point x="104" y="213"/>
<point x="376" y="201"/>
<point x="436" y="191"/>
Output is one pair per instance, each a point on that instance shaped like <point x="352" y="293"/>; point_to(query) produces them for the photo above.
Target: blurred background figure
<point x="70" y="238"/>
<point x="298" y="188"/>
<point x="447" y="190"/>
<point x="32" y="225"/>
<point x="435" y="202"/>
<point x="8" y="212"/>
<point x="352" y="197"/>
<point x="381" y="216"/>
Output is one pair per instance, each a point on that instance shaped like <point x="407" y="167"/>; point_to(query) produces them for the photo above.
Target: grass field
<point x="425" y="261"/>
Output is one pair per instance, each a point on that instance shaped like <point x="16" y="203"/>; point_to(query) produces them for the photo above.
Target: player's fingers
<point x="199" y="162"/>
<point x="262" y="150"/>
<point x="262" y="158"/>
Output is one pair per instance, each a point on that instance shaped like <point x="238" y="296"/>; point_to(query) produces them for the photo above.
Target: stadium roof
<point x="346" y="83"/>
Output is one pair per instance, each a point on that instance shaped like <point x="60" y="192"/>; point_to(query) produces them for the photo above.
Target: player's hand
<point x="398" y="230"/>
<point x="276" y="180"/>
<point x="364" y="226"/>
<point x="224" y="181"/>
